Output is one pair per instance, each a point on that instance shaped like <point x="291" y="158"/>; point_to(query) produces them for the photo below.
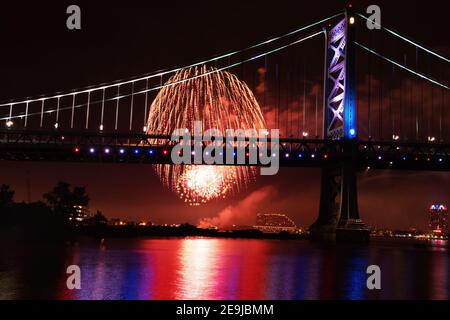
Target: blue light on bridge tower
<point x="340" y="92"/>
<point x="350" y="90"/>
<point x="352" y="132"/>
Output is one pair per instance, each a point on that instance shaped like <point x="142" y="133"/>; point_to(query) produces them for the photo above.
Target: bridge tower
<point x="338" y="214"/>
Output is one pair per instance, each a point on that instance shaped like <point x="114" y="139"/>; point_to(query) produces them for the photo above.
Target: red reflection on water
<point x="439" y="285"/>
<point x="72" y="257"/>
<point x="327" y="276"/>
<point x="161" y="259"/>
<point x="221" y="269"/>
<point x="197" y="268"/>
<point x="253" y="266"/>
<point x="199" y="261"/>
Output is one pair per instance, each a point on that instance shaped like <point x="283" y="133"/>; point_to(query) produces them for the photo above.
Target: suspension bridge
<point x="381" y="106"/>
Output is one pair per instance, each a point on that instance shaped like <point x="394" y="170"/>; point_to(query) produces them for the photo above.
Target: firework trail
<point x="219" y="100"/>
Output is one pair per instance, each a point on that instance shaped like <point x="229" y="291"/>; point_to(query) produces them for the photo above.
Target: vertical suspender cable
<point x="26" y="114"/>
<point x="57" y="113"/>
<point x="131" y="105"/>
<point x="441" y="115"/>
<point x="401" y="104"/>
<point x="87" y="109"/>
<point x="103" y="110"/>
<point x="278" y="95"/>
<point x="145" y="106"/>
<point x="117" y="108"/>
<point x="265" y="83"/>
<point x="42" y="113"/>
<point x="288" y="86"/>
<point x="298" y="104"/>
<point x="73" y="111"/>
<point x="304" y="97"/>
<point x="392" y="113"/>
<point x="430" y="119"/>
<point x="422" y="107"/>
<point x="416" y="108"/>
<point x="159" y="113"/>
<point x="317" y="112"/>
<point x="369" y="98"/>
<point x="380" y="99"/>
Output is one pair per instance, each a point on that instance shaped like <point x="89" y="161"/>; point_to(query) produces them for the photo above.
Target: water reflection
<point x="197" y="268"/>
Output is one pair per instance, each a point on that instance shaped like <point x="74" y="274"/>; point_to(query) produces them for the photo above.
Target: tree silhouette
<point x="6" y="196"/>
<point x="62" y="200"/>
<point x="98" y="220"/>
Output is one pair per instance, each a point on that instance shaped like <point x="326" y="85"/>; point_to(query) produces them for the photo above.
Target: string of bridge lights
<point x="376" y="160"/>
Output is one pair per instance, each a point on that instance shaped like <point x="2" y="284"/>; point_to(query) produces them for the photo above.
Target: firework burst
<point x="219" y="100"/>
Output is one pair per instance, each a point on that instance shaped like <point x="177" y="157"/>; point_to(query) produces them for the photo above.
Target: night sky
<point x="121" y="40"/>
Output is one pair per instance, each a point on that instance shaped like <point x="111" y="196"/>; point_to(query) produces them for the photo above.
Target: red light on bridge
<point x="165" y="152"/>
<point x="76" y="149"/>
<point x="325" y="156"/>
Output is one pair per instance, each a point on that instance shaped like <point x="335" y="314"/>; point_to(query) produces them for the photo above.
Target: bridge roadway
<point x="69" y="146"/>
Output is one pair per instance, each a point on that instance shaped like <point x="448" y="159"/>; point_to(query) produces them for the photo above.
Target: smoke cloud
<point x="244" y="212"/>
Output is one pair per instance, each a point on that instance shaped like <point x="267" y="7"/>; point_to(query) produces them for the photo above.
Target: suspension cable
<point x="420" y="75"/>
<point x="415" y="43"/>
<point x="161" y="85"/>
<point x="165" y="72"/>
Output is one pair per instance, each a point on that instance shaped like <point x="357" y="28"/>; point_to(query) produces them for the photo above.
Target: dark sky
<point x="120" y="40"/>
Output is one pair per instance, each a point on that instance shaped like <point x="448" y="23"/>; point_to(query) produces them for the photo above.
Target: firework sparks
<point x="219" y="100"/>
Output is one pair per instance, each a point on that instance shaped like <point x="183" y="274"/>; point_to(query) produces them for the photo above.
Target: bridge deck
<point x="156" y="149"/>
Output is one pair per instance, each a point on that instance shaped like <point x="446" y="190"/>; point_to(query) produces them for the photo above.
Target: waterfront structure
<point x="274" y="223"/>
<point x="438" y="219"/>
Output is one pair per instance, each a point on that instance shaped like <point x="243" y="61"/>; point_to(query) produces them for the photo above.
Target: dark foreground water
<point x="199" y="268"/>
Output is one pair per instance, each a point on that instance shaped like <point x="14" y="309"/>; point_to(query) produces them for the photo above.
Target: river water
<point x="210" y="268"/>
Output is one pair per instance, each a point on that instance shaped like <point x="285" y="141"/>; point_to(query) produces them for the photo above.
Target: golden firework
<point x="219" y="100"/>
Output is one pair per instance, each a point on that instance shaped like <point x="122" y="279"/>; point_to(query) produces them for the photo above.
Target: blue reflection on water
<point x="356" y="279"/>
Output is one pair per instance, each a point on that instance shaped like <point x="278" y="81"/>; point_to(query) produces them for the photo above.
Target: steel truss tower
<point x="338" y="214"/>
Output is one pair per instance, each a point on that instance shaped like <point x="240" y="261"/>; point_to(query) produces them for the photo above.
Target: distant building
<point x="145" y="224"/>
<point x="79" y="214"/>
<point x="438" y="219"/>
<point x="274" y="223"/>
<point x="117" y="222"/>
